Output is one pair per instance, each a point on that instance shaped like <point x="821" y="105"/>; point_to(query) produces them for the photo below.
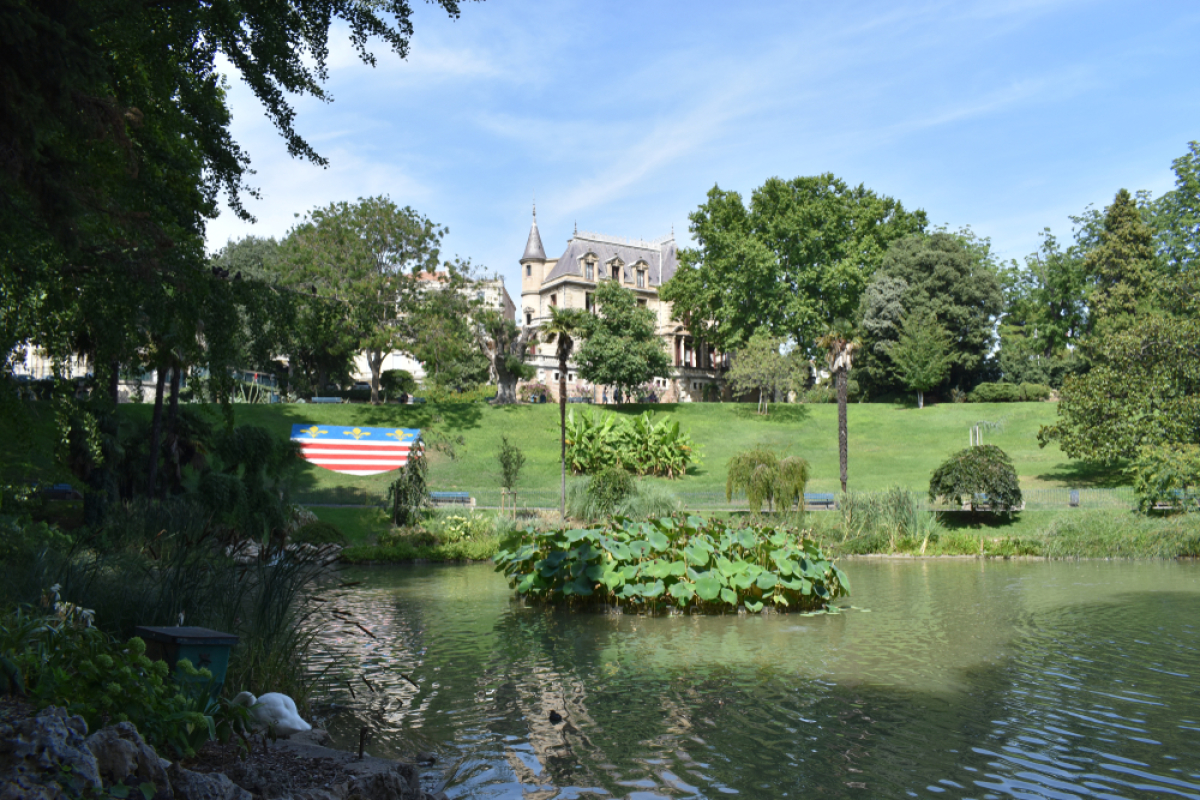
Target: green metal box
<point x="206" y="649"/>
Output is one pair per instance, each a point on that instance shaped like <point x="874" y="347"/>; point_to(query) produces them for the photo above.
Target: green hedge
<point x="704" y="565"/>
<point x="1009" y="393"/>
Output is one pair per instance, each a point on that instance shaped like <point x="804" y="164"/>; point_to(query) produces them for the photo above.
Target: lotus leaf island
<point x="688" y="563"/>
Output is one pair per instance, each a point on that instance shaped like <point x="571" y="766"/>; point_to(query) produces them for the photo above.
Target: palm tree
<point x="839" y="349"/>
<point x="561" y="329"/>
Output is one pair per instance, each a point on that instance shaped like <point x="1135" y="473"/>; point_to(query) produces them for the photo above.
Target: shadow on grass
<point x="790" y="413"/>
<point x="1089" y="475"/>
<point x="978" y="520"/>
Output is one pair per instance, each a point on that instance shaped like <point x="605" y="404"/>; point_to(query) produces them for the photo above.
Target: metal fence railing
<point x="548" y="498"/>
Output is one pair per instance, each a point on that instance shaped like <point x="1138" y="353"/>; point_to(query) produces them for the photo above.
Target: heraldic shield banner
<point x="356" y="451"/>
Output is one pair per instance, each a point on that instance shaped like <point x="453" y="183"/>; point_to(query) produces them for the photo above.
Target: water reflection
<point x="947" y="678"/>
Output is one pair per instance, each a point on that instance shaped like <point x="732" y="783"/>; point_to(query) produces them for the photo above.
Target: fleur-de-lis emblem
<point x="314" y="431"/>
<point x="357" y="433"/>
<point x="399" y="435"/>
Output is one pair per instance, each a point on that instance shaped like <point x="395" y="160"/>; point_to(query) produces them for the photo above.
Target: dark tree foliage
<point x="982" y="475"/>
<point x="955" y="285"/>
<point x="1122" y="268"/>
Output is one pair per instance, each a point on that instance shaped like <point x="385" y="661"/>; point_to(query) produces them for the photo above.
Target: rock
<point x="391" y="785"/>
<point x="121" y="753"/>
<point x="46" y="757"/>
<point x="188" y="785"/>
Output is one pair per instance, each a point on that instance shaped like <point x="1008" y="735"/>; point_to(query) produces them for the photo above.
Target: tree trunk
<point x="842" y="398"/>
<point x="920" y="399"/>
<point x="375" y="362"/>
<point x="156" y="430"/>
<point x="114" y="381"/>
<point x="562" y="427"/>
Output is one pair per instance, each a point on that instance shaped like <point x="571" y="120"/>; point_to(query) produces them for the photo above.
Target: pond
<point x="940" y="678"/>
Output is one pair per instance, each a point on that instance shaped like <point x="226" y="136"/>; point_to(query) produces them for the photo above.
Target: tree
<point x="511" y="460"/>
<point x="880" y="314"/>
<point x="1121" y="268"/>
<point x="840" y="347"/>
<point x="759" y="366"/>
<point x="506" y="347"/>
<point x="560" y="330"/>
<point x="922" y="355"/>
<point x="438" y="328"/>
<point x="1143" y="390"/>
<point x="1176" y="216"/>
<point x="368" y="254"/>
<point x="978" y="475"/>
<point x="949" y="277"/>
<point x="620" y="346"/>
<point x="793" y="263"/>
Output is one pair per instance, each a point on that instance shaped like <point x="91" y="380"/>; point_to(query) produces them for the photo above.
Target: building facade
<point x="570" y="281"/>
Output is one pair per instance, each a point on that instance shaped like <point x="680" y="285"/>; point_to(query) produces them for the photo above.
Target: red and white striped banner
<point x="356" y="451"/>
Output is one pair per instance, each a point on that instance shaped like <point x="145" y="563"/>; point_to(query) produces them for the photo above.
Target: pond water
<point x="943" y="678"/>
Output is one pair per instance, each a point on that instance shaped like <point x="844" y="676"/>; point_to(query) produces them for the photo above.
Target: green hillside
<point x="889" y="444"/>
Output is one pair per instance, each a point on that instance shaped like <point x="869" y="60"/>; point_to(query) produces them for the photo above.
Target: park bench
<point x="327" y="400"/>
<point x="452" y="499"/>
<point x="579" y="399"/>
<point x="980" y="502"/>
<point x="819" y="500"/>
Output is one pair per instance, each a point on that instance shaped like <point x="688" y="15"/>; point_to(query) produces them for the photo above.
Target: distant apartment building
<point x="641" y="266"/>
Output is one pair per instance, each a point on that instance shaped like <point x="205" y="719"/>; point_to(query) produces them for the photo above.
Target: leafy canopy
<point x="794" y="262"/>
<point x="620" y="346"/>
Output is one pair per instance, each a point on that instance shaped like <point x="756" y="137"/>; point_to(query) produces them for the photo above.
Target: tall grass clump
<point x="607" y="495"/>
<point x="876" y="522"/>
<point x="1103" y="534"/>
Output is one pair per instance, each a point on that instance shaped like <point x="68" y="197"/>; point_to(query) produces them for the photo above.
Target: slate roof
<point x="660" y="257"/>
<point x="533" y="248"/>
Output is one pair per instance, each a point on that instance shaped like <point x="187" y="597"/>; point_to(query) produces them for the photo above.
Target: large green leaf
<point x="683" y="591"/>
<point x="708" y="586"/>
<point x="766" y="581"/>
<point x="678" y="568"/>
<point x="753" y="606"/>
<point x="696" y="555"/>
<point x="747" y="539"/>
<point x="658" y="541"/>
<point x="729" y="596"/>
<point x="653" y="589"/>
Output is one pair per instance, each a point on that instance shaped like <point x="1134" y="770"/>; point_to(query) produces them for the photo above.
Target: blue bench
<point x="452" y="499"/>
<point x="579" y="399"/>
<point x="327" y="400"/>
<point x="819" y="500"/>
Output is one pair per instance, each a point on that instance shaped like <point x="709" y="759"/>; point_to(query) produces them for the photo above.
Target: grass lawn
<point x="889" y="444"/>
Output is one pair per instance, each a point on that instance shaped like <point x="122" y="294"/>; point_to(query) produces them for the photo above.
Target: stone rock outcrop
<point x="121" y="753"/>
<point x="190" y="785"/>
<point x="46" y="757"/>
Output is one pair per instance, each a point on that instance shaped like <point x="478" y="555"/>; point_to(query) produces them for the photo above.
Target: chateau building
<point x="570" y="280"/>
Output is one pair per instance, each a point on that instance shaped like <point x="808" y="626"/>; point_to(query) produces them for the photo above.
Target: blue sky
<point x="1007" y="115"/>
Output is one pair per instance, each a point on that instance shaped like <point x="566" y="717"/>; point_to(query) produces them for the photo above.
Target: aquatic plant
<point x="688" y="562"/>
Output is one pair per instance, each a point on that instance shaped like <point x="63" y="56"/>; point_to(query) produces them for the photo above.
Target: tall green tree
<point x="561" y="329"/>
<point x="620" y="346"/>
<point x="506" y="347"/>
<point x="1143" y="390"/>
<point x="368" y="254"/>
<point x="1176" y="216"/>
<point x="794" y="262"/>
<point x="951" y="279"/>
<point x="1122" y="267"/>
<point x="922" y="355"/>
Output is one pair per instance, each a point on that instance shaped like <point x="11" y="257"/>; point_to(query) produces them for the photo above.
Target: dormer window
<point x="589" y="270"/>
<point x="641" y="279"/>
<point x="616" y="272"/>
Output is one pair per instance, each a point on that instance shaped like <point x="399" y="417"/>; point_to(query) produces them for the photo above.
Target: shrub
<point x="527" y="391"/>
<point x="638" y="444"/>
<point x="644" y="499"/>
<point x="397" y="381"/>
<point x="511" y="460"/>
<point x="408" y="495"/>
<point x="1009" y="393"/>
<point x="608" y="488"/>
<point x="874" y="522"/>
<point x="763" y="476"/>
<point x="705" y="565"/>
<point x="1167" y="476"/>
<point x="62" y="662"/>
<point x="440" y="394"/>
<point x="982" y="475"/>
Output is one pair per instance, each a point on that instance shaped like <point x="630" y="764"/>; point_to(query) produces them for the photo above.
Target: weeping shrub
<point x="981" y="475"/>
<point x="762" y="476"/>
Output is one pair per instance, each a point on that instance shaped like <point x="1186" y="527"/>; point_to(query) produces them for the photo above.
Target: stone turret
<point x="533" y="268"/>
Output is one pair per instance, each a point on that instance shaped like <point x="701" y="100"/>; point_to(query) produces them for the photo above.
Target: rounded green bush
<point x="977" y="476"/>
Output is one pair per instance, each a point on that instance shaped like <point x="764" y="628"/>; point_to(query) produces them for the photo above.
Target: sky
<point x="1007" y="115"/>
